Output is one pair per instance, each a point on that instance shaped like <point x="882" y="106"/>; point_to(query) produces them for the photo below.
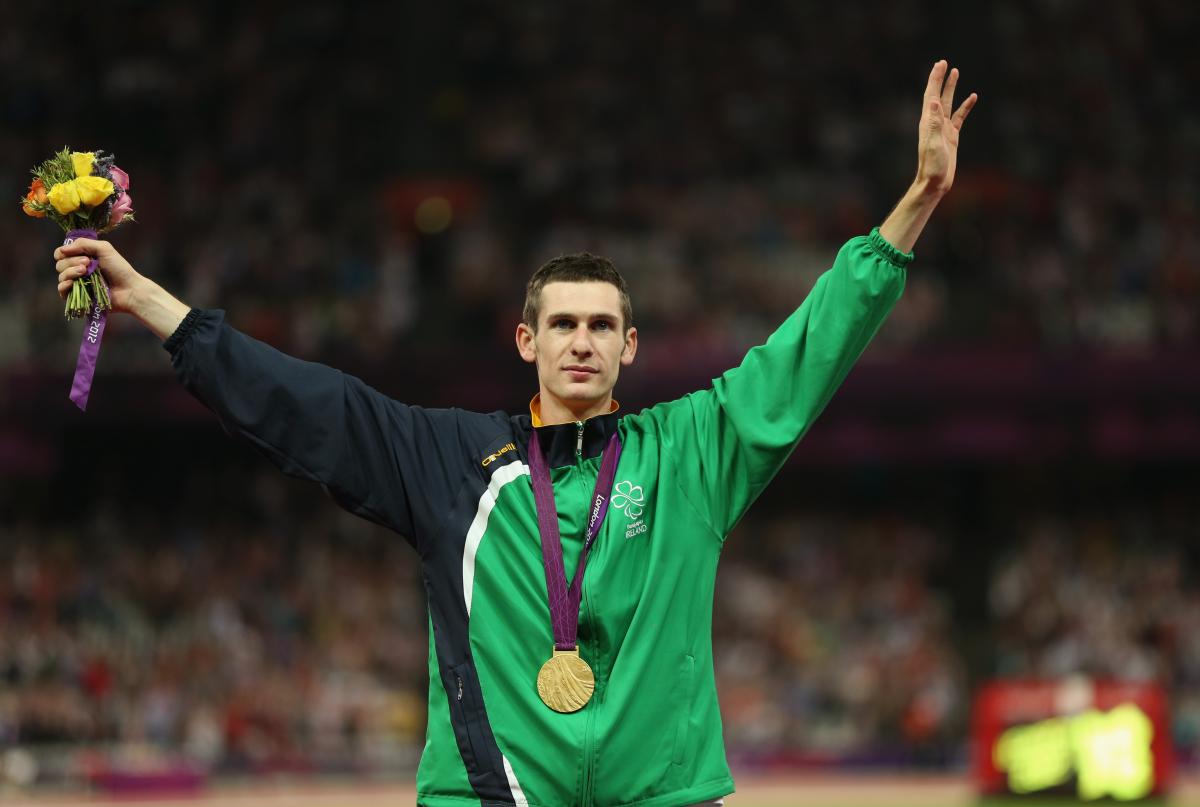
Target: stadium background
<point x="1006" y="486"/>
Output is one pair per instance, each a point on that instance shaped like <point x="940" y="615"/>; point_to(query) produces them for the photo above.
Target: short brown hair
<point x="577" y="267"/>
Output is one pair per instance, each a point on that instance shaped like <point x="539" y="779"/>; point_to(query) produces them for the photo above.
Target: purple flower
<point x="121" y="208"/>
<point x="119" y="178"/>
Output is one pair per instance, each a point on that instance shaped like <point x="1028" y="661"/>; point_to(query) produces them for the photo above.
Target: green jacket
<point x="456" y="485"/>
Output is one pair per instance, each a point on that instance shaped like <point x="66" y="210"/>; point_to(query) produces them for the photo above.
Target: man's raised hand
<point x="937" y="143"/>
<point x="937" y="154"/>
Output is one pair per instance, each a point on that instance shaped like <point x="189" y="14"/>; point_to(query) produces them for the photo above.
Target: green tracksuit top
<point x="456" y="484"/>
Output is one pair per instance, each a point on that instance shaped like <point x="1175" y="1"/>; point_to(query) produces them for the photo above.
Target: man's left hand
<point x="937" y="144"/>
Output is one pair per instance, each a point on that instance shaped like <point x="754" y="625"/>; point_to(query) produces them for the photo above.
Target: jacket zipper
<point x="589" y="753"/>
<point x="578" y="439"/>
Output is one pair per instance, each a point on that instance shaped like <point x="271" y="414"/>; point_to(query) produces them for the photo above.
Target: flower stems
<point x="83" y="292"/>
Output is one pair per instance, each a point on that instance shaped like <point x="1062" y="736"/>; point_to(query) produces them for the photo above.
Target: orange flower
<point x="37" y="193"/>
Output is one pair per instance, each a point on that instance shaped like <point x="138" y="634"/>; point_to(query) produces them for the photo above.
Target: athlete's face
<point x="579" y="346"/>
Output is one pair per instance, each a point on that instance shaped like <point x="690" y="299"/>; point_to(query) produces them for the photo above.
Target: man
<point x="601" y="692"/>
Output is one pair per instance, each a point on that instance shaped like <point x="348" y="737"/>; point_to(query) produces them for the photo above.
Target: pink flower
<point x="120" y="209"/>
<point x="119" y="178"/>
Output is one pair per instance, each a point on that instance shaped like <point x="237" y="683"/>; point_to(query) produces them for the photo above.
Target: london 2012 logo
<point x="629" y="498"/>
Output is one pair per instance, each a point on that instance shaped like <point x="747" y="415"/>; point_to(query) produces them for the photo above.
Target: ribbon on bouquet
<point x="93" y="332"/>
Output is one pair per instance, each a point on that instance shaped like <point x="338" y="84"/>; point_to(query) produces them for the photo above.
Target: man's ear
<point x="630" y="347"/>
<point x="525" y="343"/>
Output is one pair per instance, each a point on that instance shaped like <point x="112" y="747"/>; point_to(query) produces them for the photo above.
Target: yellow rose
<point x="64" y="197"/>
<point x="82" y="160"/>
<point x="93" y="190"/>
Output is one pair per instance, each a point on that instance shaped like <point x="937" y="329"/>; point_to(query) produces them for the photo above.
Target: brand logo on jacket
<point x="504" y="449"/>
<point x="630" y="498"/>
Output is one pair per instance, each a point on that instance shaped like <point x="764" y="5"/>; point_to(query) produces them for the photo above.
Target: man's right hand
<point x="72" y="261"/>
<point x="129" y="291"/>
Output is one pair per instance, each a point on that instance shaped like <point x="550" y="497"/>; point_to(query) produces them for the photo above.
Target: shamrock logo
<point x="628" y="497"/>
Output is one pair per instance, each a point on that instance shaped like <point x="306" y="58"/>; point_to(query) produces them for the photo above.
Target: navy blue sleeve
<point x="380" y="459"/>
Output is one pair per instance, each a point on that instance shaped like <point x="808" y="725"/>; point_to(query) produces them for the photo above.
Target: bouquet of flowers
<point x="86" y="194"/>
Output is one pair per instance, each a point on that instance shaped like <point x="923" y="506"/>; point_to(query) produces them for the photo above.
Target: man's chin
<point x="580" y="392"/>
<point x="580" y="395"/>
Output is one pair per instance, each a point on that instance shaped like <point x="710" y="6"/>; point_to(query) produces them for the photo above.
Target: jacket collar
<point x="560" y="442"/>
<point x="535" y="410"/>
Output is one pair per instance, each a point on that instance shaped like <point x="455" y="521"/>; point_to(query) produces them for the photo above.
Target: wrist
<point x="156" y="308"/>
<point x="925" y="192"/>
<point x="908" y="218"/>
<point x="141" y="292"/>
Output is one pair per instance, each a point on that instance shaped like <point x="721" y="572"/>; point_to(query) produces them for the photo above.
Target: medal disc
<point x="565" y="682"/>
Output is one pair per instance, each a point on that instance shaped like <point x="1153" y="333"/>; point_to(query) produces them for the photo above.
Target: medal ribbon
<point x="564" y="602"/>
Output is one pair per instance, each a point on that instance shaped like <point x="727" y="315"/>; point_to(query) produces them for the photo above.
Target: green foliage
<point x="56" y="169"/>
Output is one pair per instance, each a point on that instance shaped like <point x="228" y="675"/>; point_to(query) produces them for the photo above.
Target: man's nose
<point x="581" y="345"/>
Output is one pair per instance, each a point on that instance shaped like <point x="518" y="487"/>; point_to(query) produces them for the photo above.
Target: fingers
<point x="936" y="76"/>
<point x="71" y="274"/>
<point x="67" y="263"/>
<point x="81" y="246"/>
<point x="70" y="269"/>
<point x="965" y="109"/>
<point x="939" y="96"/>
<point x="948" y="90"/>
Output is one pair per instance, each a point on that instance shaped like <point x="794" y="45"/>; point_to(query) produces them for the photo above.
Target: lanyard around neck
<point x="564" y="601"/>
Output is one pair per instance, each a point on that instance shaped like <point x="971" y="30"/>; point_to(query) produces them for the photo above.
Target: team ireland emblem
<point x="629" y="498"/>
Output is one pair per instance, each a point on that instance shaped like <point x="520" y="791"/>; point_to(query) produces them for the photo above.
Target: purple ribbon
<point x="564" y="603"/>
<point x="93" y="332"/>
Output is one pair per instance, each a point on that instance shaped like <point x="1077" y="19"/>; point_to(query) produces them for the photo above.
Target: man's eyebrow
<point x="568" y="315"/>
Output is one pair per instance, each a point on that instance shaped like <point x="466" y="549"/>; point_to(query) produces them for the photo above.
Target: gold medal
<point x="565" y="682"/>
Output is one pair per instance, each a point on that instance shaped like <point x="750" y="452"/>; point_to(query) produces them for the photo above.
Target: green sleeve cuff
<point x="887" y="251"/>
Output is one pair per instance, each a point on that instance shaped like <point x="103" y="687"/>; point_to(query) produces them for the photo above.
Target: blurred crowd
<point x="242" y="624"/>
<point x="279" y="640"/>
<point x="363" y="179"/>
<point x="253" y="627"/>
<point x="1110" y="596"/>
<point x="833" y="645"/>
